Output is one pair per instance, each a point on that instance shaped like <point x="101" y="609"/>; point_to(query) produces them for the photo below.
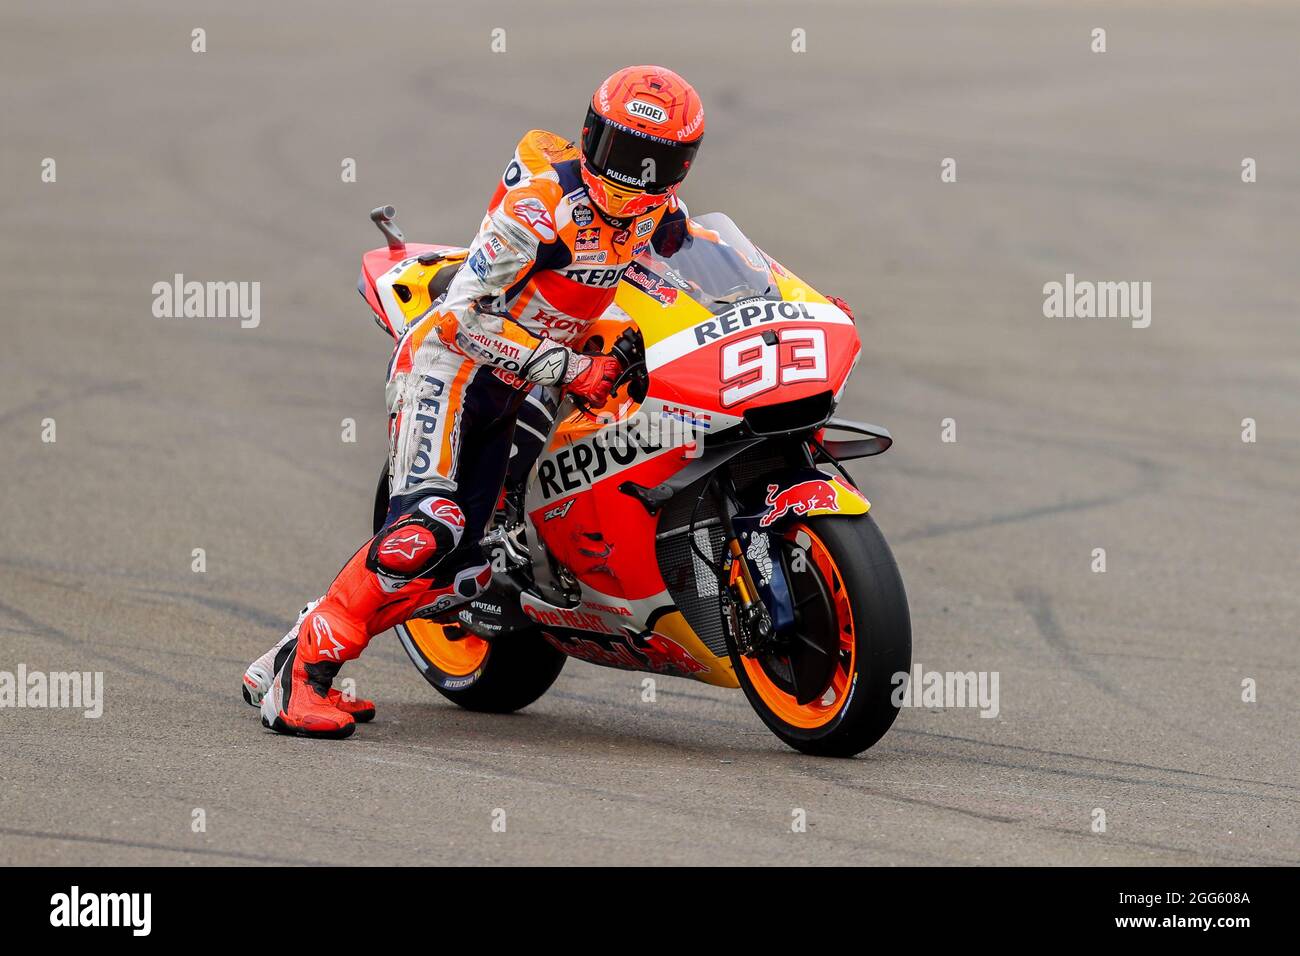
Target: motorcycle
<point x="701" y="524"/>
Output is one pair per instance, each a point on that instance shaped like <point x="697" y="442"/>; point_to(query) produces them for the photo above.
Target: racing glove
<point x="592" y="377"/>
<point x="589" y="377"/>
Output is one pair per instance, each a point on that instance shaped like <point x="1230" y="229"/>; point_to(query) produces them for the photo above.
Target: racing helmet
<point x="643" y="129"/>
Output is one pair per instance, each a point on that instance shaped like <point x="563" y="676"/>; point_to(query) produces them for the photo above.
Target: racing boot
<point x="362" y="710"/>
<point x="260" y="673"/>
<point x="388" y="581"/>
<point x="298" y="701"/>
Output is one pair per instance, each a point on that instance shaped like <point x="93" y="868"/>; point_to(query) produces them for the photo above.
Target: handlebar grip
<point x="626" y="349"/>
<point x="620" y="353"/>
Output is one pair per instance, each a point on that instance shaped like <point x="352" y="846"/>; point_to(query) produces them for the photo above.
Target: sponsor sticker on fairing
<point x="687" y="416"/>
<point x="800" y="499"/>
<point x="651" y="284"/>
<point x="559" y="511"/>
<point x="757" y="312"/>
<point x="813" y="497"/>
<point x="583" y="464"/>
<point x="608" y="608"/>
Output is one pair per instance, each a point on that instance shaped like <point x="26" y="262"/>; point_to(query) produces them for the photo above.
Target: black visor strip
<point x="624" y="155"/>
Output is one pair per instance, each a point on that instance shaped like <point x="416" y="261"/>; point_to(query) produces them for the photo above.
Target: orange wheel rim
<point x="820" y="712"/>
<point x="459" y="658"/>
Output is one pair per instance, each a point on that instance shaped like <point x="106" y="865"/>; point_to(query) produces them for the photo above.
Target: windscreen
<point x="710" y="260"/>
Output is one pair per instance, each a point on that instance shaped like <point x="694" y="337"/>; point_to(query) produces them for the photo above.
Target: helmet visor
<point x="632" y="158"/>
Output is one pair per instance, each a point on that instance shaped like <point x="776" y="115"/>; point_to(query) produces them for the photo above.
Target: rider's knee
<point x="423" y="537"/>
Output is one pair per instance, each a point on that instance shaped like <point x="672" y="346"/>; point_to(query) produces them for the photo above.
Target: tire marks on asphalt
<point x="50" y="632"/>
<point x="50" y="836"/>
<point x="1038" y="604"/>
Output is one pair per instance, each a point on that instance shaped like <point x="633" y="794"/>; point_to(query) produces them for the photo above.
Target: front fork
<point x="763" y="615"/>
<point x="750" y="621"/>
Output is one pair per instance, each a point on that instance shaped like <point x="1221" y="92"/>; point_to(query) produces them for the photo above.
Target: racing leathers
<point x="544" y="265"/>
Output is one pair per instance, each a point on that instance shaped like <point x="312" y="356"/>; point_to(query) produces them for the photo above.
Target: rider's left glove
<point x="592" y="377"/>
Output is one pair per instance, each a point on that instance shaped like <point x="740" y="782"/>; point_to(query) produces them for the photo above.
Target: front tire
<point x="855" y="608"/>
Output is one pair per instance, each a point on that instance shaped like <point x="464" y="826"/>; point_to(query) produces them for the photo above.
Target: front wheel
<point x="827" y="689"/>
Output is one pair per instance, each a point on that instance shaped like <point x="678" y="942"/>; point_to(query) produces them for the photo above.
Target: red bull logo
<point x="666" y="655"/>
<point x="657" y="653"/>
<point x="800" y="499"/>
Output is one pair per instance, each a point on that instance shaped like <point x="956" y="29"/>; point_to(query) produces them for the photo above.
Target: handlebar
<point x="630" y="352"/>
<point x="628" y="349"/>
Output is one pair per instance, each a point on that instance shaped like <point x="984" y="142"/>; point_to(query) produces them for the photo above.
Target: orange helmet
<point x="643" y="128"/>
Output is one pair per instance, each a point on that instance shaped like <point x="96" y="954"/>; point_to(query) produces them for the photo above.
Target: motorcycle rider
<point x="564" y="223"/>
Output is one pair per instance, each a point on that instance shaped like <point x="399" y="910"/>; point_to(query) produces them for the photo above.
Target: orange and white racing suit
<point x="544" y="265"/>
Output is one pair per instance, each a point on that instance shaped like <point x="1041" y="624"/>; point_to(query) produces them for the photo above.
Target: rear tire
<point x="497" y="677"/>
<point x="879" y="647"/>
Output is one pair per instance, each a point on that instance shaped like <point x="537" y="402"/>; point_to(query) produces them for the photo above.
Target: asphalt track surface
<point x="1118" y="690"/>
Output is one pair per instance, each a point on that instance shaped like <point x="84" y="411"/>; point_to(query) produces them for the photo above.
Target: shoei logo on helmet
<point x="646" y="110"/>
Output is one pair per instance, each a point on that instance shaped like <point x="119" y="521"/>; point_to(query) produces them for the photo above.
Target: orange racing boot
<point x="362" y="710"/>
<point x="298" y="701"/>
<point x="382" y="585"/>
<point x="260" y="674"/>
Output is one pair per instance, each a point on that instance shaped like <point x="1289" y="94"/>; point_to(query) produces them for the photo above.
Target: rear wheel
<point x="499" y="676"/>
<point x="827" y="688"/>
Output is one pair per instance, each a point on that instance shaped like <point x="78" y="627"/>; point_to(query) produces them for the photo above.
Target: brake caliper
<point x="750" y="576"/>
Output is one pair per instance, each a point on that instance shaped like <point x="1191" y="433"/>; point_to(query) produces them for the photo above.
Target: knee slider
<point x="418" y="541"/>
